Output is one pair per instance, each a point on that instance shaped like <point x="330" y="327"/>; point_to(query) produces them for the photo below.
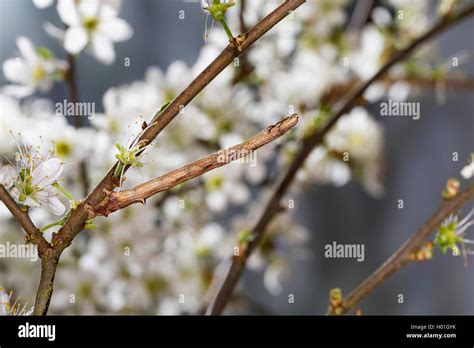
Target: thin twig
<point x="359" y="17"/>
<point x="79" y="215"/>
<point x="245" y="68"/>
<point x="421" y="82"/>
<point x="402" y="255"/>
<point x="140" y="193"/>
<point x="71" y="88"/>
<point x="221" y="298"/>
<point x="243" y="26"/>
<point x="73" y="95"/>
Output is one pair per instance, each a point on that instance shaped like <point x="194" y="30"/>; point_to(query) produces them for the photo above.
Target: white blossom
<point x="468" y="170"/>
<point x="93" y="24"/>
<point x="36" y="69"/>
<point x="357" y="134"/>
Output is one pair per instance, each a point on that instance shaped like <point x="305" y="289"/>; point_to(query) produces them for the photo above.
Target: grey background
<point x="418" y="163"/>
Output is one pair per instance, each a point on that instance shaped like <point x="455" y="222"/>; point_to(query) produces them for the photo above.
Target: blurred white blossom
<point x="160" y="258"/>
<point x="41" y="4"/>
<point x="35" y="69"/>
<point x="93" y="24"/>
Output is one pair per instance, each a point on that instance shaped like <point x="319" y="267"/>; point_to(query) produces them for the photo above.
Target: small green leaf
<point x="45" y="53"/>
<point x="246" y="236"/>
<point x="164" y="105"/>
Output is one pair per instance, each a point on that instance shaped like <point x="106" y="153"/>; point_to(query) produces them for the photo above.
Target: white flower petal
<point x="7" y="175"/>
<point x="55" y="206"/>
<point x="47" y="172"/>
<point x="75" y="39"/>
<point x="54" y="31"/>
<point x="468" y="171"/>
<point x="110" y="100"/>
<point x="103" y="49"/>
<point x="238" y="193"/>
<point x="116" y="29"/>
<point x="109" y="9"/>
<point x="15" y="194"/>
<point x="211" y="235"/>
<point x="256" y="174"/>
<point x="272" y="278"/>
<point x="17" y="91"/>
<point x="178" y="75"/>
<point x="204" y="4"/>
<point x="89" y="9"/>
<point x="230" y="139"/>
<point x="216" y="201"/>
<point x="68" y="12"/>
<point x="27" y="49"/>
<point x="15" y="70"/>
<point x="30" y="202"/>
<point x="42" y="3"/>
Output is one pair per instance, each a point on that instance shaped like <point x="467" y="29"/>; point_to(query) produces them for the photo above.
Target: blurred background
<point x="418" y="162"/>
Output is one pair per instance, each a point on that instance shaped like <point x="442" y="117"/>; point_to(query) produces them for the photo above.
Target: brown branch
<point x="223" y="295"/>
<point x="50" y="256"/>
<point x="71" y="88"/>
<point x="73" y="94"/>
<point x="453" y="83"/>
<point x="49" y="263"/>
<point x="33" y="235"/>
<point x="78" y="216"/>
<point x="402" y="255"/>
<point x="245" y="68"/>
<point x="140" y="193"/>
<point x="243" y="27"/>
<point x="359" y="17"/>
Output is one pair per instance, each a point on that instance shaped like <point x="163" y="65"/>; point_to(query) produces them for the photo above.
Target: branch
<point x="243" y="27"/>
<point x="78" y="216"/>
<point x="402" y="255"/>
<point x="71" y="87"/>
<point x="140" y="193"/>
<point x="49" y="263"/>
<point x="421" y="82"/>
<point x="73" y="93"/>
<point x="273" y="205"/>
<point x="33" y="235"/>
<point x="245" y="68"/>
<point x="359" y="17"/>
